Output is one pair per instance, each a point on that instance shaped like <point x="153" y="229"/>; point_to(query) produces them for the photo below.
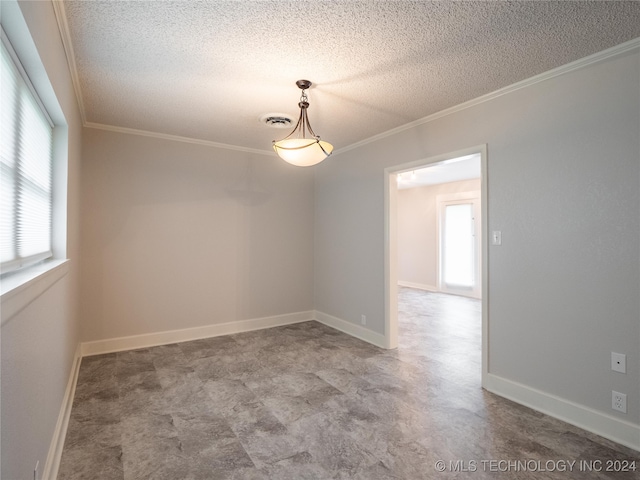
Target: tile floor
<point x="307" y="402"/>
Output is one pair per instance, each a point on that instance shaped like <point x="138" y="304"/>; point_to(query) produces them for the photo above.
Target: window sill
<point x="21" y="288"/>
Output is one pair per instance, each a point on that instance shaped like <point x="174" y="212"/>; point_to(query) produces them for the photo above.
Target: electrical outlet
<point x="363" y="319"/>
<point x="619" y="401"/>
<point x="618" y="362"/>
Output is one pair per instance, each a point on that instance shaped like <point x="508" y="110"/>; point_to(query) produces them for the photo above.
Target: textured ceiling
<point x="208" y="70"/>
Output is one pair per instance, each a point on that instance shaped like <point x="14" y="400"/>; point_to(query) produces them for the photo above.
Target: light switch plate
<point x="496" y="237"/>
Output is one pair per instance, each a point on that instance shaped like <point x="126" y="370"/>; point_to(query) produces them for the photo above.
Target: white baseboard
<point x="351" y="329"/>
<point x="607" y="426"/>
<point x="51" y="466"/>
<point x="184" y="335"/>
<point x="419" y="286"/>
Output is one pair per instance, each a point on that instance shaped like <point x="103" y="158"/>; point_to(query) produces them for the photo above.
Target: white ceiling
<point x="453" y="170"/>
<point x="207" y="70"/>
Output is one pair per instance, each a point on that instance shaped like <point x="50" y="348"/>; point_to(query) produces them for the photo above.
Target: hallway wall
<point x="417" y="232"/>
<point x="564" y="189"/>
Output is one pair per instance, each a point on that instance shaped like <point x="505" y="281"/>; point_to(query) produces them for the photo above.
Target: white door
<point x="459" y="244"/>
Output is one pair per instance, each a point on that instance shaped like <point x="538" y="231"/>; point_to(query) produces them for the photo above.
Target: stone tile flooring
<point x="307" y="402"/>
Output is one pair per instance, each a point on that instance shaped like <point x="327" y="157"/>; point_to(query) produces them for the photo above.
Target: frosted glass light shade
<point x="302" y="152"/>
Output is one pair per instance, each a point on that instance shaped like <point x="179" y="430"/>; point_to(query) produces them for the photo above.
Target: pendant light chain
<point x="304" y="104"/>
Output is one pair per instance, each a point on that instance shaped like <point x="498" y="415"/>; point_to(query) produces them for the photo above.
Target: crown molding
<point x="569" y="67"/>
<point x="177" y="138"/>
<point x="65" y="35"/>
<point x="63" y="26"/>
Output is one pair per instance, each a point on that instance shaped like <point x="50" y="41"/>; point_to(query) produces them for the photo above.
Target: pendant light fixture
<point x="297" y="148"/>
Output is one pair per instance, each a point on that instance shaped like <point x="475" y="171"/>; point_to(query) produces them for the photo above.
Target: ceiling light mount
<point x="297" y="148"/>
<point x="303" y="84"/>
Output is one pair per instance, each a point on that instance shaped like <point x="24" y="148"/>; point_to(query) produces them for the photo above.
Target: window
<point x="459" y="245"/>
<point x="26" y="143"/>
<point x="458" y="242"/>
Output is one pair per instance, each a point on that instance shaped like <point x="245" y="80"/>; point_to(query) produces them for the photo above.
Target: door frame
<point x="391" y="247"/>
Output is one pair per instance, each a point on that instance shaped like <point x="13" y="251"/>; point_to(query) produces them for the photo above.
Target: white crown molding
<point x="569" y="67"/>
<point x="63" y="26"/>
<point x="65" y="35"/>
<point x="177" y="138"/>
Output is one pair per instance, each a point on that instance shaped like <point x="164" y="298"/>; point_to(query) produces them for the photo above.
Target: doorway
<point x="468" y="277"/>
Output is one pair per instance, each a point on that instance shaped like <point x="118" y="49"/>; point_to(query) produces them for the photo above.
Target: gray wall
<point x="39" y="342"/>
<point x="178" y="235"/>
<point x="563" y="186"/>
<point x="417" y="233"/>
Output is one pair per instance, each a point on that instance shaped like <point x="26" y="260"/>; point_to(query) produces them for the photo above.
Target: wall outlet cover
<point x="619" y="401"/>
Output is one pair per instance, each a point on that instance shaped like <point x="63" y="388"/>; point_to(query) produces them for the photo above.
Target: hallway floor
<point x="307" y="402"/>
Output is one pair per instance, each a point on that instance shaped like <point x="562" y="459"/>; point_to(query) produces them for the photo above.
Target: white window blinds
<point x="26" y="136"/>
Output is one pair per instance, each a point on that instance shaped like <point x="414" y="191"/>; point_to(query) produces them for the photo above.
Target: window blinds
<point x="26" y="139"/>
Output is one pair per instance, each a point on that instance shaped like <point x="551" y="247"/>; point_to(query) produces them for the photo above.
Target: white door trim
<point x="390" y="245"/>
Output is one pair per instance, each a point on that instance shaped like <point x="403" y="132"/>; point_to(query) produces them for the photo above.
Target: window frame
<point x="19" y="288"/>
<point x="24" y="83"/>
